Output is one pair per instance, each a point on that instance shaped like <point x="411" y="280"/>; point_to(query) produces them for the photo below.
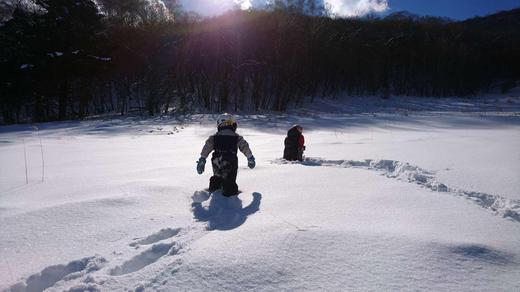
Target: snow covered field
<point x="405" y="199"/>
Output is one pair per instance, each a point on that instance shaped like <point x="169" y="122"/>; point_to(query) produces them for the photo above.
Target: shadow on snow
<point x="225" y="213"/>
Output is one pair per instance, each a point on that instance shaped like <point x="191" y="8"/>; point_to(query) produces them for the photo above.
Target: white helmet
<point x="225" y="120"/>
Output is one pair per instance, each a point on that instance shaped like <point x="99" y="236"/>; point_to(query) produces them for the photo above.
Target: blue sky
<point x="456" y="9"/>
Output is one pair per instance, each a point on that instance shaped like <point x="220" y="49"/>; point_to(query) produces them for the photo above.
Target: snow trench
<point x="500" y="206"/>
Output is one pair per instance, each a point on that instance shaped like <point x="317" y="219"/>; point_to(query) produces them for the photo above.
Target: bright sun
<point x="246" y="4"/>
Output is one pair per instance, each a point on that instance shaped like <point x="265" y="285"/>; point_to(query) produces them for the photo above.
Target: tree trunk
<point x="63" y="98"/>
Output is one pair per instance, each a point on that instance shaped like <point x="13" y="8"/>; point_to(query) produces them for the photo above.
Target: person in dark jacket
<point x="225" y="145"/>
<point x="294" y="144"/>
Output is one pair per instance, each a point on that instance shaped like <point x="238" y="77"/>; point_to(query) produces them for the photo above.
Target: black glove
<point x="251" y="162"/>
<point x="200" y="165"/>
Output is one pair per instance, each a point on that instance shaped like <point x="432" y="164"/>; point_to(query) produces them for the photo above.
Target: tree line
<point x="69" y="59"/>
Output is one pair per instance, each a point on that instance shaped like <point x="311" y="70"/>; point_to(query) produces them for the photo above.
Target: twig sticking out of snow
<point x="25" y="159"/>
<point x="41" y="148"/>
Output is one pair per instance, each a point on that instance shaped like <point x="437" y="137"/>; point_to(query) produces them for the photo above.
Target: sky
<point x="455" y="9"/>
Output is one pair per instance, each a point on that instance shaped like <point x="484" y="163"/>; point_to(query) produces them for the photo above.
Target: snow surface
<point x="414" y="200"/>
<point x="55" y="54"/>
<point x="26" y="66"/>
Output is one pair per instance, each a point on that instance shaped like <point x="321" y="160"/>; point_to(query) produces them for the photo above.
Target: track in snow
<point x="506" y="208"/>
<point x="145" y="258"/>
<point x="219" y="213"/>
<point x="53" y="274"/>
<point x="156" y="237"/>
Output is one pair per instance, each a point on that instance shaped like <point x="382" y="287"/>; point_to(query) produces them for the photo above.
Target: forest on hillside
<point x="65" y="59"/>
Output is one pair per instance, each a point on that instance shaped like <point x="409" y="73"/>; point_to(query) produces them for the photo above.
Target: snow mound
<point x="501" y="206"/>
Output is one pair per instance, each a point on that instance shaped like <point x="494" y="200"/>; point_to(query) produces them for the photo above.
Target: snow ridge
<point x="500" y="206"/>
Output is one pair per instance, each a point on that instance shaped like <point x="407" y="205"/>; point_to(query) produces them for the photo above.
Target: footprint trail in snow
<point x="93" y="273"/>
<point x="501" y="206"/>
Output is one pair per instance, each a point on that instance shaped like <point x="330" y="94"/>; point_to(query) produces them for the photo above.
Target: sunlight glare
<point x="246" y="4"/>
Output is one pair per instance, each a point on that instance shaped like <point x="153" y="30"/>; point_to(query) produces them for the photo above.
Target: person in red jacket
<point x="294" y="144"/>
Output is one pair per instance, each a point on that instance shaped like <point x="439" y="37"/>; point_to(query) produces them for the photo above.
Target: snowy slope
<point x="422" y="201"/>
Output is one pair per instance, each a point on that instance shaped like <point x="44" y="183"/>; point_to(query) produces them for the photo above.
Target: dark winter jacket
<point x="294" y="145"/>
<point x="226" y="141"/>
